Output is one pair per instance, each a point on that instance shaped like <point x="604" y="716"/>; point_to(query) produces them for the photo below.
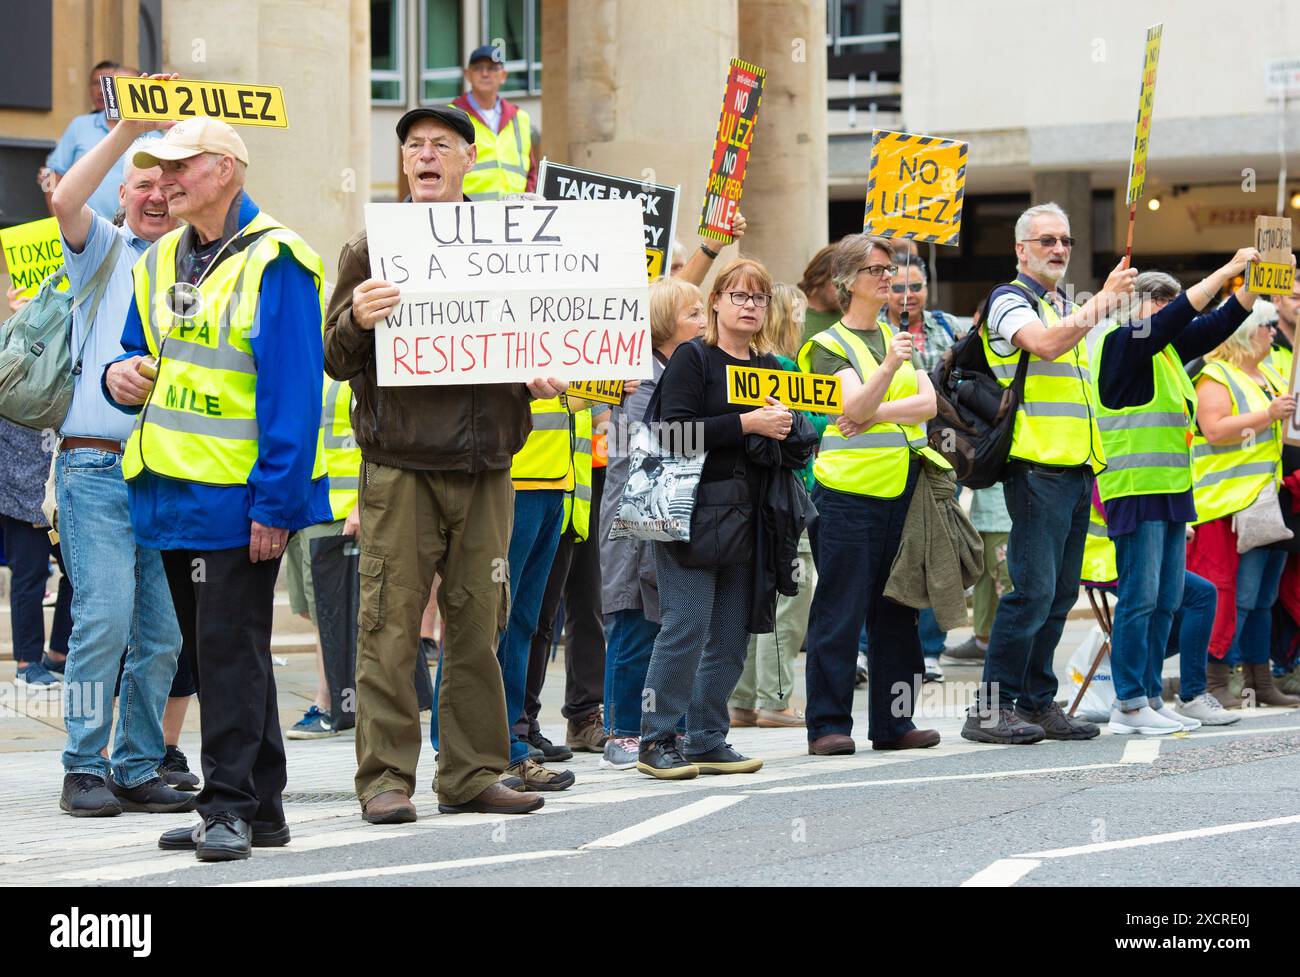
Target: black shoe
<point x="265" y="835"/>
<point x="1057" y="725"/>
<point x="152" y="797"/>
<point x="86" y="795"/>
<point x="551" y="752"/>
<point x="51" y="665"/>
<point x="224" y="838"/>
<point x="661" y="759"/>
<point x="175" y="770"/>
<point x="724" y="759"/>
<point x="983" y="726"/>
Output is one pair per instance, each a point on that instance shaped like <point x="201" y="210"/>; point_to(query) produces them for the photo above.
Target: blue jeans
<point x="539" y="516"/>
<point x="1049" y="523"/>
<point x="854" y="541"/>
<point x="1189" y="638"/>
<point x="120" y="599"/>
<point x="1151" y="562"/>
<point x="1258" y="577"/>
<point x="627" y="656"/>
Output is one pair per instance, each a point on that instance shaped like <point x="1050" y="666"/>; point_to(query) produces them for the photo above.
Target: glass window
<point x="442" y="67"/>
<point x="516" y="25"/>
<point x="386" y="43"/>
<point x="862" y="25"/>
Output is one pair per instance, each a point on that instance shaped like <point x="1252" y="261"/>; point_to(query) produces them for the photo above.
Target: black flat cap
<point x="445" y="114"/>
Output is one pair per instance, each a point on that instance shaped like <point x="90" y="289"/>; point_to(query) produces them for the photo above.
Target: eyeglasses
<point x="876" y="271"/>
<point x="760" y="299"/>
<point x="1048" y="241"/>
<point x="900" y="288"/>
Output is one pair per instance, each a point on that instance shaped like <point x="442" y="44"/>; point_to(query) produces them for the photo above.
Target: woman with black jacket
<point x="705" y="585"/>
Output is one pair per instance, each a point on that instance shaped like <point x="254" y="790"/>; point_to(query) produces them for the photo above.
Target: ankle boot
<point x="1216" y="683"/>
<point x="1259" y="676"/>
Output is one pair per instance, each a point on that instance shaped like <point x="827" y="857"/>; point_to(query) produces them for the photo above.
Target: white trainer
<point x="1188" y="723"/>
<point x="1145" y="722"/>
<point x="1208" y="710"/>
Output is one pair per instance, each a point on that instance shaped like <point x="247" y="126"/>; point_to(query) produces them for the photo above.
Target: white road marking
<point x="1008" y="871"/>
<point x="1140" y="751"/>
<point x="1003" y="873"/>
<point x="666" y="822"/>
<point x="992" y="775"/>
<point x="384" y="871"/>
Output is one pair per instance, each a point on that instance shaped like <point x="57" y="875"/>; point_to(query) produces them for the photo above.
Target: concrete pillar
<point x="1072" y="190"/>
<point x="635" y="89"/>
<point x="785" y="189"/>
<point x="313" y="176"/>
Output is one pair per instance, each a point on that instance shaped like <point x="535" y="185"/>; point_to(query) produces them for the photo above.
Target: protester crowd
<point x="1146" y="459"/>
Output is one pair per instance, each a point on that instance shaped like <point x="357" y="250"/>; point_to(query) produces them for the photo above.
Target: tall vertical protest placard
<point x="1137" y="167"/>
<point x="33" y="251"/>
<point x="915" y="187"/>
<point x="508" y="291"/>
<point x="731" y="147"/>
<point x="557" y="181"/>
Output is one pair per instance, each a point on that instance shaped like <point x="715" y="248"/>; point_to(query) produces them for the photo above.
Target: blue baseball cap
<point x="485" y="52"/>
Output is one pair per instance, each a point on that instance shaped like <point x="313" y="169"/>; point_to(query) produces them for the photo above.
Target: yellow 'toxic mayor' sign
<point x="915" y="187"/>
<point x="799" y="391"/>
<point x="188" y="98"/>
<point x="33" y="252"/>
<point x="1273" y="274"/>
<point x="1137" y="169"/>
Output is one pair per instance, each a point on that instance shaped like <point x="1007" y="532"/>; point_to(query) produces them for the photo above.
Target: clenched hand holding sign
<point x="506" y="291"/>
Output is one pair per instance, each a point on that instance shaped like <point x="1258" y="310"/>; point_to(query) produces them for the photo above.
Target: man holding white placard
<point x="436" y="497"/>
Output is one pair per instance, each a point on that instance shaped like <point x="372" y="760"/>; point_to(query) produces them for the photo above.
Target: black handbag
<point x="722" y="525"/>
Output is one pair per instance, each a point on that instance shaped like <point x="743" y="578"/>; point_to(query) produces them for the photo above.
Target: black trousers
<point x="575" y="577"/>
<point x="224" y="605"/>
<point x="27" y="550"/>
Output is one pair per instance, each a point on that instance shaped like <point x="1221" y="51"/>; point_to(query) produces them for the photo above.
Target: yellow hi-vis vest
<point x="874" y="462"/>
<point x="503" y="158"/>
<point x="1280" y="359"/>
<point x="1148" y="447"/>
<point x="559" y="443"/>
<point x="342" y="456"/>
<point x="1056" y="423"/>
<point x="1098" y="551"/>
<point x="1229" y="477"/>
<point x="578" y="505"/>
<point x="199" y="423"/>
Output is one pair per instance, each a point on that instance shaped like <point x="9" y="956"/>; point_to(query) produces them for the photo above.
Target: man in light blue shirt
<point x="81" y="136"/>
<point x="121" y="598"/>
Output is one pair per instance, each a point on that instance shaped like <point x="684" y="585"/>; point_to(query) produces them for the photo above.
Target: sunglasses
<point x="1049" y="241"/>
<point x="900" y="288"/>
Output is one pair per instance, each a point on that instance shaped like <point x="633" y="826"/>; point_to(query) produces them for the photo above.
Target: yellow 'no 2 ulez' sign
<point x="798" y="391"/>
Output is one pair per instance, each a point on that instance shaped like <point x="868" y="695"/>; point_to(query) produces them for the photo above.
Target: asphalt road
<point x="1099" y="812"/>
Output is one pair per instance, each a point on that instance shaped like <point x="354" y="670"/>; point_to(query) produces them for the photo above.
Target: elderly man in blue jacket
<point x="224" y="365"/>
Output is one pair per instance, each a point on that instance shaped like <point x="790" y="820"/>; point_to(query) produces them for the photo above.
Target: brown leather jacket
<point x="465" y="428"/>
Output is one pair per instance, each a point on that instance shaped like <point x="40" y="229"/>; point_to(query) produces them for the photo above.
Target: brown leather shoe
<point x="916" y="739"/>
<point x="780" y="718"/>
<point x="743" y="718"/>
<point x="586" y="735"/>
<point x="496" y="799"/>
<point x="835" y="744"/>
<point x="390" y="807"/>
<point x="1260" y="678"/>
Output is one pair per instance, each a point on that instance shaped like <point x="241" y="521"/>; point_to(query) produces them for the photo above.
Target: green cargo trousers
<point x="415" y="524"/>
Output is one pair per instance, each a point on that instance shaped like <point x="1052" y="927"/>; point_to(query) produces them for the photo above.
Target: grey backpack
<point x="37" y="371"/>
